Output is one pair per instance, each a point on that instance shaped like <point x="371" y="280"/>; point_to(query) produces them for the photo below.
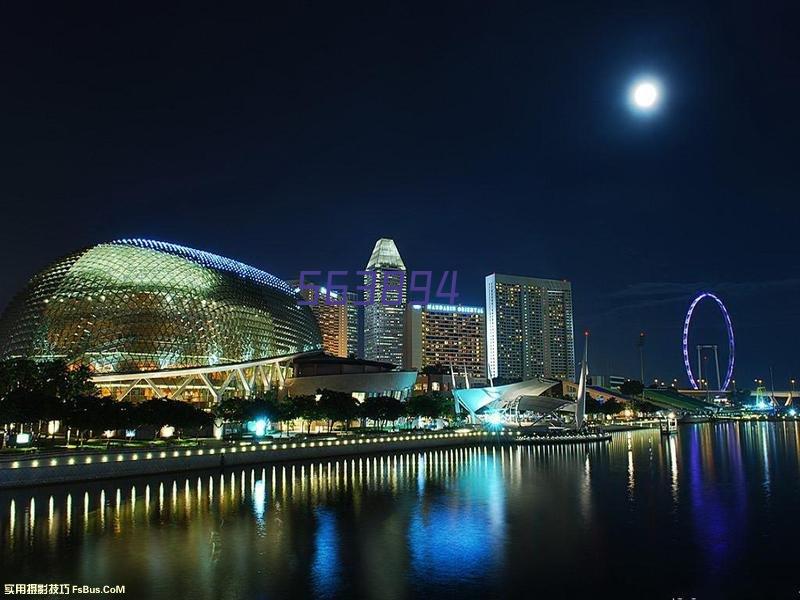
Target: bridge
<point x="781" y="396"/>
<point x="665" y="398"/>
<point x="673" y="400"/>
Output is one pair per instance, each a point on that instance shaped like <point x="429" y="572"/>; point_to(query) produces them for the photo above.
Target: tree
<point x="32" y="392"/>
<point x="631" y="388"/>
<point x="419" y="406"/>
<point x="58" y="379"/>
<point x="18" y="374"/>
<point x="286" y="410"/>
<point x="592" y="405"/>
<point x="307" y="408"/>
<point x="381" y="409"/>
<point x="443" y="406"/>
<point x="16" y="408"/>
<point x="645" y="407"/>
<point x="612" y="407"/>
<point x="45" y="407"/>
<point x="87" y="414"/>
<point x="181" y="415"/>
<point x="337" y="407"/>
<point x="430" y="406"/>
<point x="232" y="410"/>
<point x="370" y="409"/>
<point x="54" y="378"/>
<point x="393" y="409"/>
<point x="268" y="407"/>
<point x="122" y="415"/>
<point x="262" y="408"/>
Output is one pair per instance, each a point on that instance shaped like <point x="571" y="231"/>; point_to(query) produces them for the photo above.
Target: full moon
<point x="645" y="95"/>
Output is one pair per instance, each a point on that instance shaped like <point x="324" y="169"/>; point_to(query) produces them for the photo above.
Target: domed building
<point x="161" y="319"/>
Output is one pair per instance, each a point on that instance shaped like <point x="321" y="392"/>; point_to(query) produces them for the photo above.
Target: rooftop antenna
<point x="641" y="355"/>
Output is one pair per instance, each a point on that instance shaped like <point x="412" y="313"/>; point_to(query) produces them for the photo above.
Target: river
<point x="708" y="513"/>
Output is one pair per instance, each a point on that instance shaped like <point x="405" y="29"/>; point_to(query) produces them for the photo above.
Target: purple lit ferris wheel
<point x="728" y="326"/>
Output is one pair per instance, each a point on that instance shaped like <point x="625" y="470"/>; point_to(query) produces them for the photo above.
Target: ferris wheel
<point x="728" y="326"/>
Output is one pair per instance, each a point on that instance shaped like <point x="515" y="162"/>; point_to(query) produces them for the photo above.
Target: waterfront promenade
<point x="64" y="467"/>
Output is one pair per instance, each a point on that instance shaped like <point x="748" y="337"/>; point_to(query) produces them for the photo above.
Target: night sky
<point x="481" y="137"/>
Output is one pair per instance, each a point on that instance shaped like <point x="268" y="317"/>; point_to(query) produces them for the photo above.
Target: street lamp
<point x="641" y="357"/>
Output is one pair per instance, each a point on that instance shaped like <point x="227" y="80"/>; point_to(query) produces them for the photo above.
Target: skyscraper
<point x="383" y="316"/>
<point x="447" y="335"/>
<point x="529" y="328"/>
<point x="354" y="329"/>
<point x="333" y="320"/>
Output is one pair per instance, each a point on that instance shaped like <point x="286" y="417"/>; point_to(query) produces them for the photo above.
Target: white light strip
<point x="262" y="447"/>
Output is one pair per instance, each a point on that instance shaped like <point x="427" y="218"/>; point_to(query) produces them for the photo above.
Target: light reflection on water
<point x="472" y="520"/>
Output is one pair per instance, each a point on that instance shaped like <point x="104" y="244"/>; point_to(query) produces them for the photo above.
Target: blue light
<point x="258" y="427"/>
<point x="472" y="532"/>
<point x="326" y="566"/>
<point x="792" y="412"/>
<point x="494" y="419"/>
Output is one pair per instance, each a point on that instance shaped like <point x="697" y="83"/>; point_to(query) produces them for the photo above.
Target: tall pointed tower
<point x="383" y="319"/>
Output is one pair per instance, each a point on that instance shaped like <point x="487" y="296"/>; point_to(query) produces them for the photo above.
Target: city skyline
<point x="469" y="145"/>
<point x="617" y="362"/>
<point x="400" y="300"/>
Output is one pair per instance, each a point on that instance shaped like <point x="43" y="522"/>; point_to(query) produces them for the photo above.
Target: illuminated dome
<point x="138" y="305"/>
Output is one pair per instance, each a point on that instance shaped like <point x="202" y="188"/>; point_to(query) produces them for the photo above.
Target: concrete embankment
<point x="564" y="439"/>
<point x="631" y="427"/>
<point x="50" y="469"/>
<point x="83" y="466"/>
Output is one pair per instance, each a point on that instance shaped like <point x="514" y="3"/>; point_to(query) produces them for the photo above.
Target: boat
<point x="668" y="425"/>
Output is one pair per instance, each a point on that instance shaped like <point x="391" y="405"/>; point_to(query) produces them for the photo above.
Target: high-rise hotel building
<point x="354" y="341"/>
<point x="446" y="335"/>
<point x="333" y="320"/>
<point x="383" y="316"/>
<point x="529" y="328"/>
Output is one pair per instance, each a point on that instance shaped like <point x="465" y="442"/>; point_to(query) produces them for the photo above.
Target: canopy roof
<point x="528" y="393"/>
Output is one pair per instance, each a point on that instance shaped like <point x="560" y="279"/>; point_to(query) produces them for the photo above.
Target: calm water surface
<point x="709" y="513"/>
